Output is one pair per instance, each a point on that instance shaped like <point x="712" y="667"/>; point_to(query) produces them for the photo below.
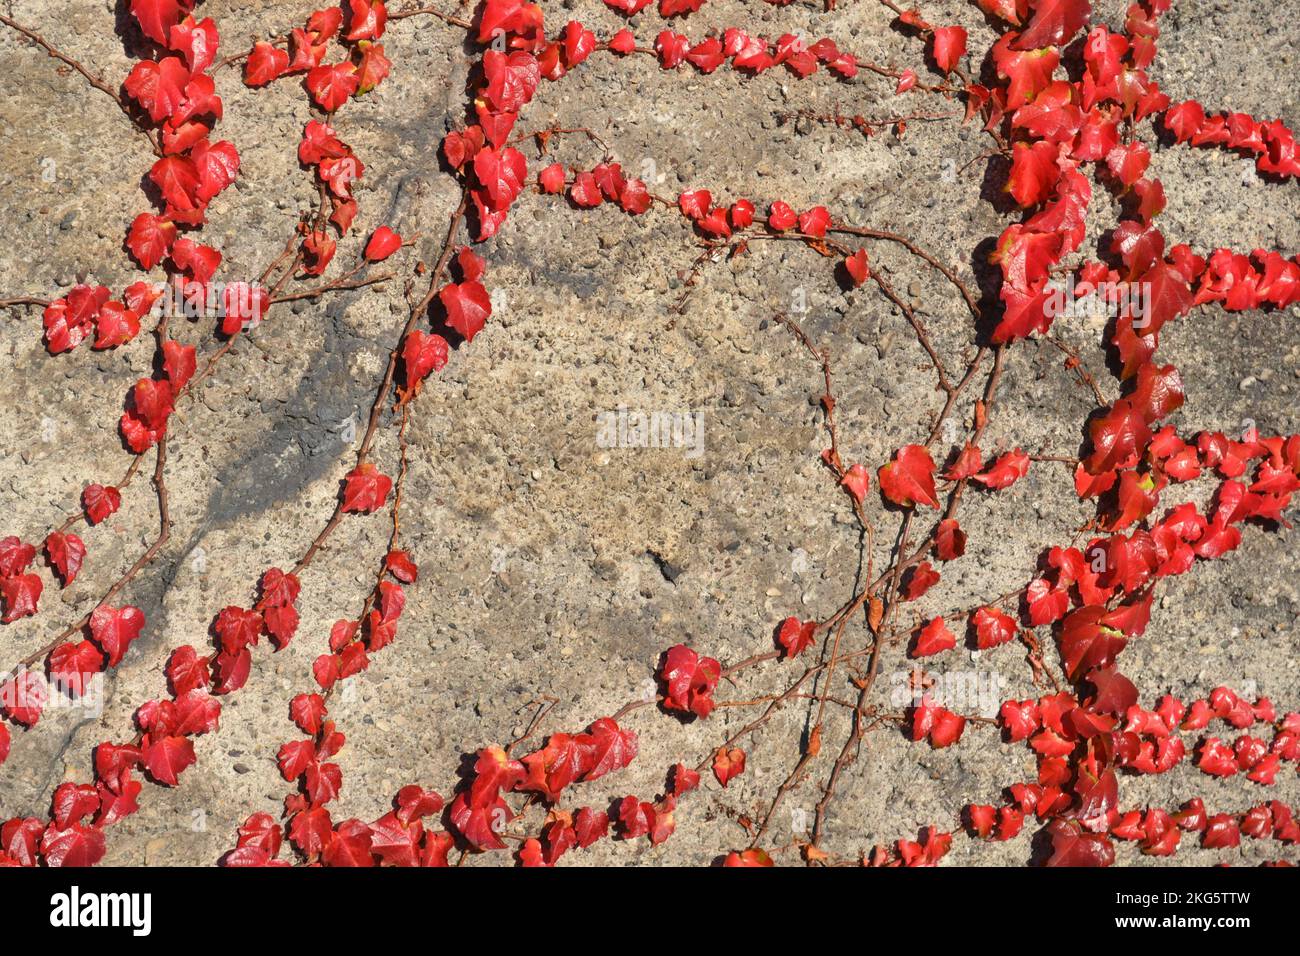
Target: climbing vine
<point x="1059" y="99"/>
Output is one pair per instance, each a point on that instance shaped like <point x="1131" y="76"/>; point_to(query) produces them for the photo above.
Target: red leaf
<point x="468" y="307"/>
<point x="367" y="19"/>
<point x="217" y="165"/>
<point x="1072" y="846"/>
<point x="752" y="858"/>
<point x="949" y="540"/>
<point x="100" y="501"/>
<point x="1087" y="642"/>
<point x="933" y="638"/>
<point x="366" y="489"/>
<point x="15" y="556"/>
<point x="993" y="627"/>
<point x="1006" y="471"/>
<point x="856" y="481"/>
<point x="330" y="85"/>
<point x="689" y="680"/>
<point x="796" y="635"/>
<point x="264" y="64"/>
<point x="76" y="845"/>
<point x="383" y="243"/>
<point x="909" y="478"/>
<point x="728" y="764"/>
<point x="114" y="629"/>
<point x="73" y="665"/>
<point x="157" y="17"/>
<point x="948" y="46"/>
<point x="857" y="268"/>
<point x="21" y="594"/>
<point x="1054" y="23"/>
<point x="400" y="566"/>
<point x="150" y="239"/>
<point x="167" y="758"/>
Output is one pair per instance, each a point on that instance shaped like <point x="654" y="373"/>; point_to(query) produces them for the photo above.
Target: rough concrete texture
<point x="551" y="565"/>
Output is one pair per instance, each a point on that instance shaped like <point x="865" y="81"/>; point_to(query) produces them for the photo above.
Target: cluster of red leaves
<point x="1272" y="143"/>
<point x="87" y="311"/>
<point x="1158" y="832"/>
<point x="931" y="846"/>
<point x="330" y="84"/>
<point x="352" y="641"/>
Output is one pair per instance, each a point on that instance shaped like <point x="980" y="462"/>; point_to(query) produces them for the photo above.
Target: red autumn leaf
<point x="1034" y="172"/>
<point x="311" y="831"/>
<point x="115" y="325"/>
<point x="857" y="267"/>
<point x="1046" y="603"/>
<point x="197" y="712"/>
<point x="167" y="758"/>
<point x="422" y="353"/>
<point x="684" y="780"/>
<point x="947" y="47"/>
<point x="1006" y="471"/>
<point x="113" y="628"/>
<point x="66" y="553"/>
<point x="728" y="764"/>
<point x="150" y="239"/>
<point x="186" y="670"/>
<point x="217" y="165"/>
<point x="278" y="589"/>
<point x="264" y="64"/>
<point x="920" y="579"/>
<point x="969" y="461"/>
<point x="468" y="307"/>
<point x="73" y="665"/>
<point x="21" y="595"/>
<point x="590" y="825"/>
<point x="366" y="489"/>
<point x="159" y="86"/>
<point x="605" y="748"/>
<point x="100" y="501"/>
<point x="23" y="697"/>
<point x="993" y="627"/>
<point x="949" y="540"/>
<point x="781" y="217"/>
<point x="933" y="638"/>
<point x="689" y="680"/>
<point x="1054" y="23"/>
<point x="908" y="480"/>
<point x="1073" y="846"/>
<point x="74" y="846"/>
<point x="856" y="481"/>
<point x="551" y="179"/>
<point x="753" y="858"/>
<point x="367" y="19"/>
<point x="414" y="803"/>
<point x="1118" y="437"/>
<point x="178" y="181"/>
<point x="383" y="243"/>
<point x="946" y="729"/>
<point x="330" y="85"/>
<point x="1087" y="641"/>
<point x="501" y="172"/>
<point x="815" y="221"/>
<point x="796" y="635"/>
<point x="15" y="556"/>
<point x="400" y="566"/>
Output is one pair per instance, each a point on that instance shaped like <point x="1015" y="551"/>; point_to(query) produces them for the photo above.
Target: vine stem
<point x="381" y="396"/>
